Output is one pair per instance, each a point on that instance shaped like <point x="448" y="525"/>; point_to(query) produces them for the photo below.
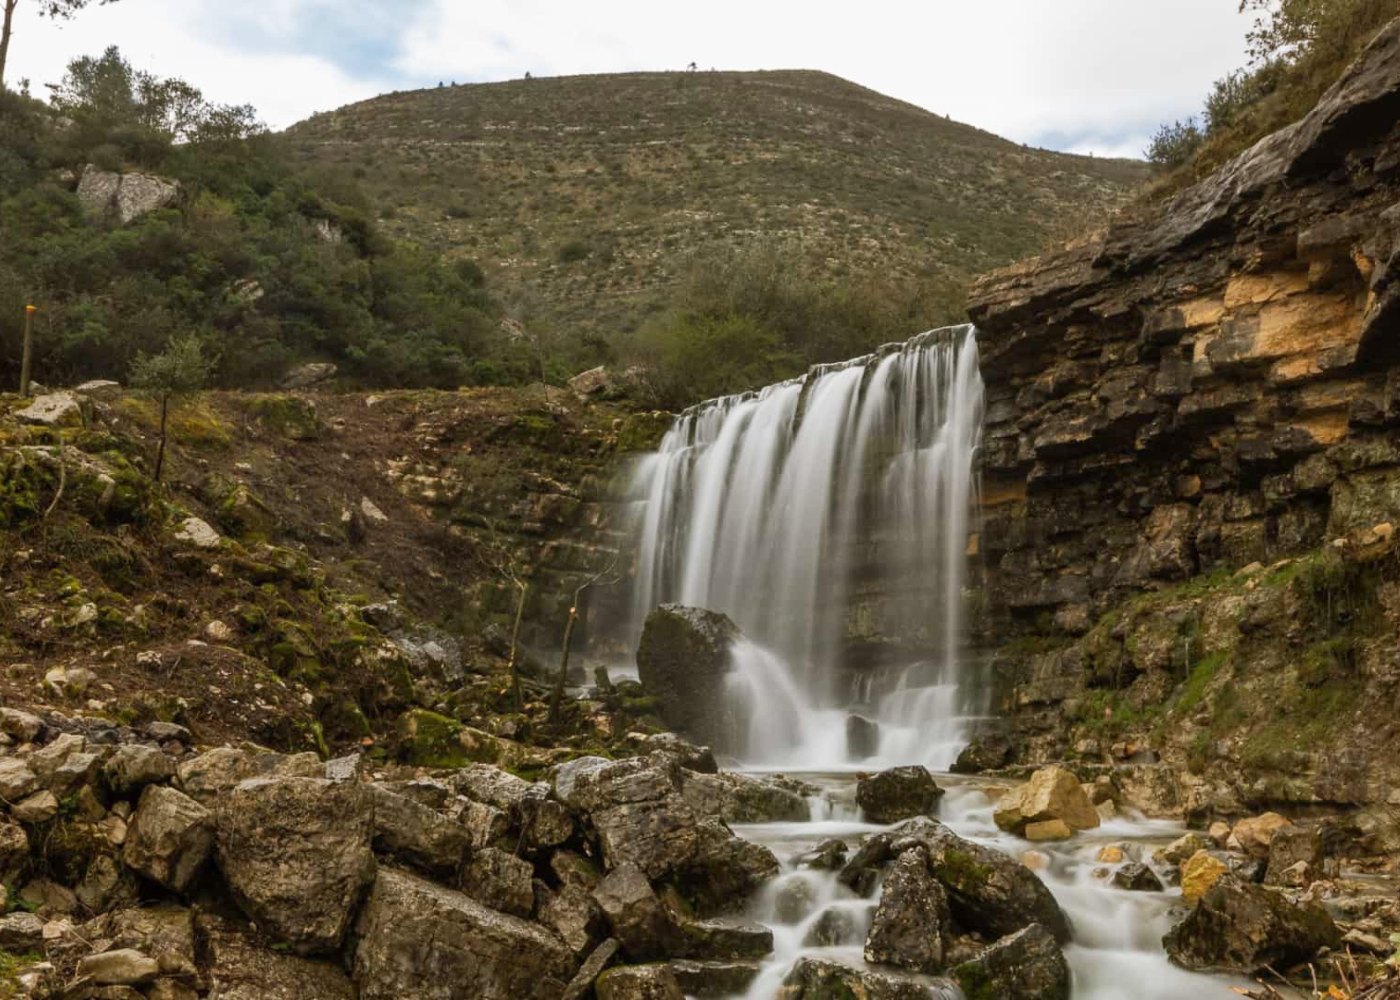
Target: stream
<point x="1116" y="952"/>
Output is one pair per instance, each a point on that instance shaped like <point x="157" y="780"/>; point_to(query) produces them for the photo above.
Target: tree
<point x="58" y="10"/>
<point x="181" y="368"/>
<point x="1174" y="144"/>
<point x="604" y="577"/>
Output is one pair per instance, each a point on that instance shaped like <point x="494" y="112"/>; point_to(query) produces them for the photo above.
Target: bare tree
<point x="498" y="556"/>
<point x="58" y="10"/>
<point x="605" y="577"/>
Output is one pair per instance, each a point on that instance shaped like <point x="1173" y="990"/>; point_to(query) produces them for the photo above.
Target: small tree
<point x="1174" y="144"/>
<point x="58" y="10"/>
<point x="500" y="557"/>
<point x="181" y="368"/>
<point x="604" y="577"/>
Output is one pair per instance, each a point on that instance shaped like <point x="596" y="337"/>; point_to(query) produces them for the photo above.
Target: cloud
<point x="1089" y="75"/>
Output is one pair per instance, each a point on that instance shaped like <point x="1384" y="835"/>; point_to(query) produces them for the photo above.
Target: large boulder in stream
<point x="1240" y="927"/>
<point x="818" y="979"/>
<point x="1027" y="965"/>
<point x="682" y="660"/>
<point x="1052" y="794"/>
<point x="912" y="920"/>
<point x="897" y="794"/>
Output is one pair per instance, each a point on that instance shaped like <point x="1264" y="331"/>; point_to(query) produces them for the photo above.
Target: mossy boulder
<point x="643" y="431"/>
<point x="1027" y="965"/>
<point x="682" y="660"/>
<point x="290" y="417"/>
<point x="1240" y="927"/>
<point x="899" y="793"/>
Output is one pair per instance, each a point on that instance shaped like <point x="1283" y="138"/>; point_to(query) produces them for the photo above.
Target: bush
<point x="1174" y="144"/>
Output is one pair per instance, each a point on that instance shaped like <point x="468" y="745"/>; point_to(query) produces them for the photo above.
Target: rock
<point x="417" y="939"/>
<point x="723" y="940"/>
<point x="141" y="194"/>
<point x="743" y="798"/>
<point x="987" y="891"/>
<point x="485" y="825"/>
<point x="1051" y="794"/>
<point x="21" y="932"/>
<point x="17" y="779"/>
<point x="912" y="919"/>
<point x="862" y="737"/>
<point x="1253" y="835"/>
<point x="827" y="856"/>
<point x="169" y="838"/>
<point x="834" y="927"/>
<point x="591" y="382"/>
<point x="986" y="752"/>
<point x="211" y="775"/>
<point x="819" y="979"/>
<point x="1137" y="877"/>
<point x="1180" y="849"/>
<point x="100" y="390"/>
<point x="421" y="836"/>
<point x="575" y="916"/>
<point x="164" y="932"/>
<point x="1218" y="833"/>
<point x="682" y="660"/>
<point x="197" y="532"/>
<point x="22" y="726"/>
<point x="501" y="881"/>
<point x="638" y="982"/>
<point x="242" y="967"/>
<point x="124" y="967"/>
<point x="639" y="921"/>
<point x="132" y="766"/>
<point x="1289" y="847"/>
<point x="897" y="794"/>
<point x="1246" y="928"/>
<point x="1026" y="965"/>
<point x="38" y="808"/>
<point x="1199" y="873"/>
<point x="307" y="375"/>
<point x="714" y="979"/>
<point x="57" y="409"/>
<point x="688" y="755"/>
<point x="725" y="869"/>
<point x="599" y="959"/>
<point x="1046" y="830"/>
<point x="105" y="885"/>
<point x="1111" y="854"/>
<point x="296" y="855"/>
<point x="218" y="633"/>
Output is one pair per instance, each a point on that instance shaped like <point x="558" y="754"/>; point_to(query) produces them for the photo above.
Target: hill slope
<point x="588" y="195"/>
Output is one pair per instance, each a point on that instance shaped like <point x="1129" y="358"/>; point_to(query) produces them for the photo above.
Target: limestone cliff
<point x="1176" y="399"/>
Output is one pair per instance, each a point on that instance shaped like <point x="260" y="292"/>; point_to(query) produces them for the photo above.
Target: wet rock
<point x="836" y="926"/>
<point x="862" y="737"/>
<point x="723" y="940"/>
<point x="1027" y="965"/>
<point x="986" y="752"/>
<point x="1199" y="873"/>
<point x="862" y="872"/>
<point x="827" y="856"/>
<point x="1180" y="849"/>
<point x="1290" y="847"/>
<point x="682" y="660"/>
<point x="1137" y="877"/>
<point x="638" y="982"/>
<point x="417" y="939"/>
<point x="501" y="881"/>
<point x="639" y="921"/>
<point x="899" y="793"/>
<point x="1245" y="928"/>
<point x="1218" y="833"/>
<point x="1253" y="835"/>
<point x="818" y="979"/>
<point x="131" y="767"/>
<point x="421" y="836"/>
<point x="296" y="854"/>
<point x="1047" y="830"/>
<point x="725" y="870"/>
<point x="1052" y="793"/>
<point x="714" y="979"/>
<point x="123" y="967"/>
<point x="987" y="891"/>
<point x="742" y="798"/>
<point x="794" y="899"/>
<point x="912" y="919"/>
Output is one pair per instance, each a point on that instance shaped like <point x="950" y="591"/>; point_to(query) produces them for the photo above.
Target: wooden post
<point x="28" y="355"/>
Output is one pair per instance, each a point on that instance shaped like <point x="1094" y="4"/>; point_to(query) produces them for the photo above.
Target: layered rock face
<point x="1211" y="385"/>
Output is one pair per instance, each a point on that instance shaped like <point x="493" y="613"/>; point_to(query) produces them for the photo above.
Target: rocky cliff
<point x="1192" y="473"/>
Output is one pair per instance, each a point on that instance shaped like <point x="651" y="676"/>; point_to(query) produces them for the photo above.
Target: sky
<point x="1077" y="75"/>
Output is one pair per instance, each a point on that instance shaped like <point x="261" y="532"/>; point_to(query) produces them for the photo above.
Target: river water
<point x="1116" y="952"/>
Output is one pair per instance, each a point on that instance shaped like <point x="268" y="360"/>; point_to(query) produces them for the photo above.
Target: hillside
<point x="585" y="197"/>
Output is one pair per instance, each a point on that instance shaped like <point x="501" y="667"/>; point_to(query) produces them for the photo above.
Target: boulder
<point x="100" y="390"/>
<point x="1199" y="873"/>
<point x="862" y="737"/>
<point x="1254" y="834"/>
<point x="1052" y="793"/>
<point x="241" y="967"/>
<point x="682" y="660"/>
<point x="132" y="766"/>
<point x="123" y="967"/>
<point x="169" y="838"/>
<point x="714" y="979"/>
<point x="725" y="870"/>
<point x="912" y="919"/>
<point x="296" y="855"/>
<point x="17" y="779"/>
<point x="197" y="532"/>
<point x="834" y="927"/>
<point x="1180" y="849"/>
<point x="501" y="881"/>
<point x="987" y="890"/>
<point x="307" y="375"/>
<point x="819" y="979"/>
<point x="1137" y="877"/>
<point x="574" y="915"/>
<point x="164" y="932"/>
<point x="1027" y="965"/>
<point x="57" y="409"/>
<point x="600" y="958"/>
<point x="1047" y="830"/>
<point x="21" y="932"/>
<point x="724" y="940"/>
<point x="591" y="382"/>
<point x="639" y="921"/>
<point x="688" y="755"/>
<point x="638" y="982"/>
<point x="828" y="856"/>
<point x="24" y="727"/>
<point x="141" y="194"/>
<point x="1289" y="847"/>
<point x="746" y="798"/>
<point x="209" y="776"/>
<point x="416" y="939"/>
<point x="897" y="794"/>
<point x="986" y="752"/>
<point x="1239" y="927"/>
<point x="420" y="835"/>
<point x="34" y="809"/>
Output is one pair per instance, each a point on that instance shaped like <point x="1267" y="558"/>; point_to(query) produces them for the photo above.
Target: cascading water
<point x="789" y="509"/>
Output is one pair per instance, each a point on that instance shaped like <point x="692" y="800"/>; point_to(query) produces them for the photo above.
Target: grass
<point x="588" y="195"/>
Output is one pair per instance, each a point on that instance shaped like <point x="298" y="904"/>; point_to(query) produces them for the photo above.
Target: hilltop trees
<point x="55" y="9"/>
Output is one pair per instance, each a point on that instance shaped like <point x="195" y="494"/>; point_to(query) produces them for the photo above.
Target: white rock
<point x="102" y="390"/>
<point x="57" y="409"/>
<point x="198" y="533"/>
<point x="371" y="511"/>
<point x="217" y="632"/>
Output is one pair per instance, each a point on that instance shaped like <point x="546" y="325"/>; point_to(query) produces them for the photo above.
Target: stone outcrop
<point x="682" y="659"/>
<point x="1245" y="928"/>
<point x="127" y="197"/>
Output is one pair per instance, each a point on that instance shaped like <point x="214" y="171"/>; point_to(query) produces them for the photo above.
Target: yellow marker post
<point x="28" y="355"/>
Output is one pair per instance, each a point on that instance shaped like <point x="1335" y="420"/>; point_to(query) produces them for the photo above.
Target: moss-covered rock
<point x="291" y="417"/>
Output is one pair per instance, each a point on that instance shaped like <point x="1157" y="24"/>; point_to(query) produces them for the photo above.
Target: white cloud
<point x="1084" y="74"/>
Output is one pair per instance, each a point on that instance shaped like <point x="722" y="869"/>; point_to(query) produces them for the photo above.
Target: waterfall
<point x="830" y="517"/>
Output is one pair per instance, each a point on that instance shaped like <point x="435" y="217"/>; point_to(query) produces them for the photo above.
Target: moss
<point x="961" y="870"/>
<point x="1194" y="690"/>
<point x="1326" y="660"/>
<point x="976" y="982"/>
<point x="11" y="965"/>
<point x="287" y="416"/>
<point x="643" y="431"/>
<point x="431" y="740"/>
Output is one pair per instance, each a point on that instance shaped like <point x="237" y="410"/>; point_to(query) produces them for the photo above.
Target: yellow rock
<point x="1036" y="861"/>
<point x="1111" y="854"/>
<point x="1200" y="872"/>
<point x="1049" y="829"/>
<point x="1052" y="793"/>
<point x="1255" y="834"/>
<point x="1219" y="832"/>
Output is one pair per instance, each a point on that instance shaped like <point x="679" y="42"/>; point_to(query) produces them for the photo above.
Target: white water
<point x="775" y="507"/>
<point x="1116" y="952"/>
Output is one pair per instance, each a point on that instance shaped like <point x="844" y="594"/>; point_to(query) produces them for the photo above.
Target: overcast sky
<point x="1080" y="75"/>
